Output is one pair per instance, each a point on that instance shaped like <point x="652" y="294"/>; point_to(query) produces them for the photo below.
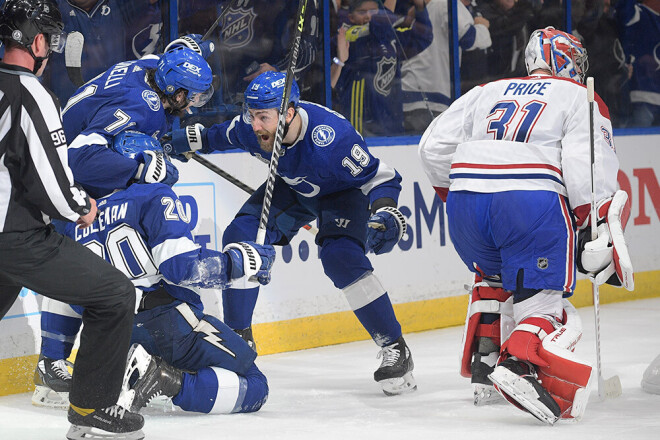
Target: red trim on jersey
<point x="506" y="167"/>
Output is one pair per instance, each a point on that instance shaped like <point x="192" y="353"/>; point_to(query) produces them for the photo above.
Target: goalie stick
<point x="611" y="387"/>
<point x="275" y="156"/>
<point x="73" y="57"/>
<point x="231" y="179"/>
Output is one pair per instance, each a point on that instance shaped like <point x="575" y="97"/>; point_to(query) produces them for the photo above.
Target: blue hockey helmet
<point x="266" y="90"/>
<point x="130" y="143"/>
<point x="181" y="67"/>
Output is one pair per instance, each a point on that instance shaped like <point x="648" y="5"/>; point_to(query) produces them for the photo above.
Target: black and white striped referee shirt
<point x="35" y="180"/>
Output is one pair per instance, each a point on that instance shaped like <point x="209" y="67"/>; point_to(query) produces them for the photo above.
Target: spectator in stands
<point x="640" y="36"/>
<point x="114" y="31"/>
<point x="254" y="36"/>
<point x="472" y="62"/>
<point x="509" y="30"/>
<point x="611" y="74"/>
<point x="369" y="85"/>
<point x="426" y="77"/>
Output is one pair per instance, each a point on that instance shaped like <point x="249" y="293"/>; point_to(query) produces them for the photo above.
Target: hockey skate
<point x="155" y="379"/>
<point x="114" y="422"/>
<point x="516" y="380"/>
<point x="651" y="377"/>
<point x="395" y="372"/>
<point x="52" y="381"/>
<point x="483" y="363"/>
<point x="246" y="334"/>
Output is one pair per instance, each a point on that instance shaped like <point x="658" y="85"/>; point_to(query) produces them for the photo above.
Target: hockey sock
<point x="238" y="306"/>
<point x="379" y="320"/>
<point x="219" y="391"/>
<point x="58" y="334"/>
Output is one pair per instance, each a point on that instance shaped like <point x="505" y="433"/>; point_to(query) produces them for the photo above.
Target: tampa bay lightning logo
<point x="323" y="135"/>
<point x="302" y="186"/>
<point x="237" y="27"/>
<point x="152" y="100"/>
<point x="385" y="75"/>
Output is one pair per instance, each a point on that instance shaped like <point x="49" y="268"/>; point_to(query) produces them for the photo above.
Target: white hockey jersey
<point x="523" y="134"/>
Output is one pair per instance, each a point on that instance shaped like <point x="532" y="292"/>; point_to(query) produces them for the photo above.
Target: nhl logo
<point x="542" y="263"/>
<point x="17" y="35"/>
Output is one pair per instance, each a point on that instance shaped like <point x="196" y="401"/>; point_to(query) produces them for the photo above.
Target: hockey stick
<point x="275" y="156"/>
<point x="231" y="179"/>
<point x="73" y="57"/>
<point x="611" y="387"/>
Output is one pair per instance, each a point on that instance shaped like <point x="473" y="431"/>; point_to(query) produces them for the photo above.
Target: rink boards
<point x="423" y="275"/>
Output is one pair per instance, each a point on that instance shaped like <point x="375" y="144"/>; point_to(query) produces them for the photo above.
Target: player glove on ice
<point x="194" y="42"/>
<point x="384" y="229"/>
<point x="154" y="168"/>
<point x="185" y="140"/>
<point x="251" y="264"/>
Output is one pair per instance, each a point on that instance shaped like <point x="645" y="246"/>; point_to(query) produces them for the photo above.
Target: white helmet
<point x="559" y="52"/>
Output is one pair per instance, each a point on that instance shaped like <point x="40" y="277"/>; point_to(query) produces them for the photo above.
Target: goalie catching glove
<point x="250" y="264"/>
<point x="180" y="144"/>
<point x="384" y="229"/>
<point x="606" y="258"/>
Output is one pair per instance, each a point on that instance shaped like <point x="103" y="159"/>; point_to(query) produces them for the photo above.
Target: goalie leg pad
<point x="484" y="300"/>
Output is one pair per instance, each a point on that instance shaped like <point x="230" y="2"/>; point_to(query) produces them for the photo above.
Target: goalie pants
<point x="57" y="267"/>
<point x="519" y="234"/>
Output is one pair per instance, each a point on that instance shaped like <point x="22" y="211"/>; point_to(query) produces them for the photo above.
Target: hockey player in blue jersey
<point x="199" y="361"/>
<point x="325" y="173"/>
<point x="144" y="95"/>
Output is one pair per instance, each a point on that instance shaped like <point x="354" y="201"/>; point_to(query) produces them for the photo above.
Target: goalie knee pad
<point x="489" y="318"/>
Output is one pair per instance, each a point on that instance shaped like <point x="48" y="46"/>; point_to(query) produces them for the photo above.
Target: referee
<point x="35" y="184"/>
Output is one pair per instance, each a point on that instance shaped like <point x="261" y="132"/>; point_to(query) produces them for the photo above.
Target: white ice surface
<point x="329" y="393"/>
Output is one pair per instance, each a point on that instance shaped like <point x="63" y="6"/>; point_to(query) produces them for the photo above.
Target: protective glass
<point x="199" y="99"/>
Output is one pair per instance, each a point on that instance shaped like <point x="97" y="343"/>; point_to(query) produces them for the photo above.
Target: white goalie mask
<point x="559" y="52"/>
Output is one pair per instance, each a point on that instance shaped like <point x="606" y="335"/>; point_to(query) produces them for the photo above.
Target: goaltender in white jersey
<point x="512" y="159"/>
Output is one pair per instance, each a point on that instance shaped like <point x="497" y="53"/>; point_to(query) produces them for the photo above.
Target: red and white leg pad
<point x="559" y="371"/>
<point x="485" y="299"/>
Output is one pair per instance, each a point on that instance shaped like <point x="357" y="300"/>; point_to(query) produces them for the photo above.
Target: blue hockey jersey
<point x="144" y="232"/>
<point x="116" y="100"/>
<point x="329" y="155"/>
<point x="114" y="31"/>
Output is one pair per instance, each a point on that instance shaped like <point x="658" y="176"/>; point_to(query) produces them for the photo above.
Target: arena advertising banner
<point x="423" y="266"/>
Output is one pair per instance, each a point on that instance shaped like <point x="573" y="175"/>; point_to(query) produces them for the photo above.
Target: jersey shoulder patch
<point x="152" y="99"/>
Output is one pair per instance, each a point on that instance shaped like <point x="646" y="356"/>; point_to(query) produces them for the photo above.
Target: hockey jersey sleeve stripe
<point x="171" y="248"/>
<point x="506" y="166"/>
<point x="88" y="139"/>
<point x="384" y="174"/>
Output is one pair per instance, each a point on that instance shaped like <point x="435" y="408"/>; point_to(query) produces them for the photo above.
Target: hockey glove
<point x="384" y="230"/>
<point x="154" y="167"/>
<point x="194" y="41"/>
<point x="606" y="258"/>
<point x="180" y="144"/>
<point x="250" y="264"/>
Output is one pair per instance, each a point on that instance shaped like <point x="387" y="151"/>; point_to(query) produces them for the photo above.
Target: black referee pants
<point x="57" y="267"/>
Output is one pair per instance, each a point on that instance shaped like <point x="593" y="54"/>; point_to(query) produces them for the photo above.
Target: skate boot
<point x="651" y="377"/>
<point x="395" y="372"/>
<point x="246" y="334"/>
<point x="517" y="382"/>
<point x="52" y="381"/>
<point x="114" y="422"/>
<point x="483" y="363"/>
<point x="160" y="380"/>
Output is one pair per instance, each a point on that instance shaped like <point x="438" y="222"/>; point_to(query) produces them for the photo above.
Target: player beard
<point x="266" y="140"/>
